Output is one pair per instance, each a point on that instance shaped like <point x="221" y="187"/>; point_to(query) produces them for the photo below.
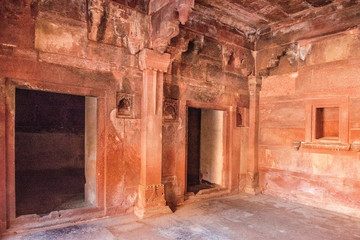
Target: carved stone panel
<point x="114" y="24"/>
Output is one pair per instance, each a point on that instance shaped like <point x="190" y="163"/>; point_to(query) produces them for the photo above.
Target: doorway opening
<point x="55" y="152"/>
<point x="205" y="149"/>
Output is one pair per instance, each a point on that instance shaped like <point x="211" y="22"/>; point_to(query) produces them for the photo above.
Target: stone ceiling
<point x="263" y="16"/>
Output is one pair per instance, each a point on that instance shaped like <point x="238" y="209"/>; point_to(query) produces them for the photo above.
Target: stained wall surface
<point x="305" y="75"/>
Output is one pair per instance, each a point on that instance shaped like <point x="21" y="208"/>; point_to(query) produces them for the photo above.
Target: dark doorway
<point x="49" y="152"/>
<point x="205" y="149"/>
<point x="193" y="164"/>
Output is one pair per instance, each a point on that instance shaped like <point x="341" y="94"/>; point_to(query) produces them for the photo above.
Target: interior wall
<point x="316" y="69"/>
<point x="212" y="146"/>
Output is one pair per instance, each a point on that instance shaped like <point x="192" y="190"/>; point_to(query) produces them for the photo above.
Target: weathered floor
<point x="234" y="217"/>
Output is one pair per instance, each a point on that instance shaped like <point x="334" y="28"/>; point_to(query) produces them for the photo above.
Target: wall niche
<point x="124" y="105"/>
<point x="242" y="117"/>
<point x="170" y="110"/>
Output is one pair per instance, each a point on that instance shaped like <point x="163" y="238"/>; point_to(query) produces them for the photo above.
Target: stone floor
<point x="233" y="217"/>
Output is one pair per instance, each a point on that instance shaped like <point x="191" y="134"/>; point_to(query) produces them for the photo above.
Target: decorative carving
<point x="171" y="110"/>
<point x="152" y="195"/>
<point x="237" y="60"/>
<point x="112" y="23"/>
<point x="254" y="84"/>
<point x="168" y="30"/>
<point x="184" y="9"/>
<point x="124" y="103"/>
<point x="165" y="23"/>
<point x="180" y="44"/>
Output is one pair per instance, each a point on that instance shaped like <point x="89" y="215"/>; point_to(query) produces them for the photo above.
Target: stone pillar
<point x="2" y="158"/>
<point x="151" y="199"/>
<point x="252" y="179"/>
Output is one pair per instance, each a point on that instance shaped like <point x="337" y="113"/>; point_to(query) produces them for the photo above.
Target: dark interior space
<point x="49" y="152"/>
<point x="194" y="181"/>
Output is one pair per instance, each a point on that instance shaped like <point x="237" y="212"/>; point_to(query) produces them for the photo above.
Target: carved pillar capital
<point x="153" y="60"/>
<point x="254" y="84"/>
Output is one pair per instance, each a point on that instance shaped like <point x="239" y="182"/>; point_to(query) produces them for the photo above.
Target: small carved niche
<point x="124" y="105"/>
<point x="242" y="117"/>
<point x="231" y="60"/>
<point x="171" y="110"/>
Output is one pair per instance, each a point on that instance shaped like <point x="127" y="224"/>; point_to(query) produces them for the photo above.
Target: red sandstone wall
<point x="46" y="48"/>
<point x="295" y="74"/>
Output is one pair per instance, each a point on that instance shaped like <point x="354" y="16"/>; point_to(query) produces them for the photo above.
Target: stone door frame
<point x="227" y="144"/>
<point x="9" y="205"/>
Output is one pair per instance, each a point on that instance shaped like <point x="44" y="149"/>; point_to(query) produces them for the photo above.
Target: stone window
<point x="327" y="120"/>
<point x="327" y="123"/>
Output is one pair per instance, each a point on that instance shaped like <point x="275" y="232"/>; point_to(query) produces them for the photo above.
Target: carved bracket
<point x="112" y="23"/>
<point x="180" y="44"/>
<point x="237" y="60"/>
<point x="165" y="23"/>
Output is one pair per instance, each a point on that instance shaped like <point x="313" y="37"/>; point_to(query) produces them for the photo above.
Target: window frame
<point x="342" y="102"/>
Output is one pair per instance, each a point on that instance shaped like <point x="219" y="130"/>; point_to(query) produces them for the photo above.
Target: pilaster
<point x="252" y="179"/>
<point x="151" y="200"/>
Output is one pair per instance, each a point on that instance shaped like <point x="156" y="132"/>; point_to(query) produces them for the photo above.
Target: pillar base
<point x="151" y="201"/>
<point x="253" y="190"/>
<point x="252" y="183"/>
<point x="152" y="211"/>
